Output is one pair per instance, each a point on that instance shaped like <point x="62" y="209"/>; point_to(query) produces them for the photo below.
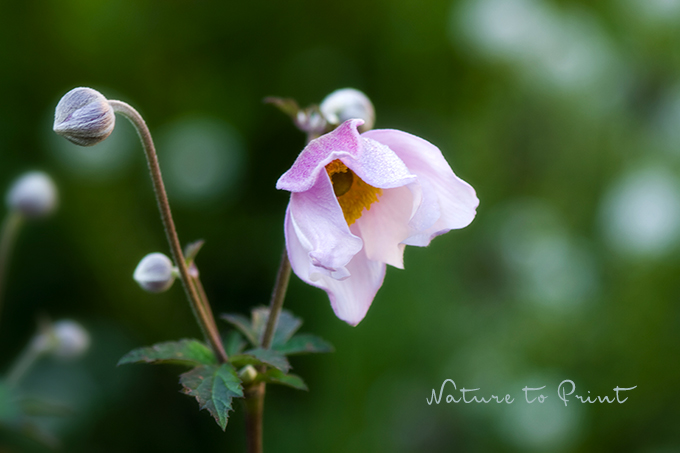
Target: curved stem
<point x="10" y="230"/>
<point x="278" y="296"/>
<point x="23" y="363"/>
<point x="201" y="311"/>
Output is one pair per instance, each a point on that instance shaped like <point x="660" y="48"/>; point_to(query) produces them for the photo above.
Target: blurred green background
<point x="563" y="115"/>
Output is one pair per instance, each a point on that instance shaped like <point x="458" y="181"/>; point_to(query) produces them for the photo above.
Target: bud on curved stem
<point x="65" y="339"/>
<point x="348" y="103"/>
<point x="84" y="117"/>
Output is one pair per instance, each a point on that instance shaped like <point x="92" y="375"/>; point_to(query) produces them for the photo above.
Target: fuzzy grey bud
<point x="346" y="104"/>
<point x="155" y="273"/>
<point x="70" y="339"/>
<point x="33" y="195"/>
<point x="84" y="117"/>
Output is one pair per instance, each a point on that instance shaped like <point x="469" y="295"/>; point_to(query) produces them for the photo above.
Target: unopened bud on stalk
<point x="70" y="339"/>
<point x="346" y="104"/>
<point x="33" y="195"/>
<point x="155" y="273"/>
<point x="247" y="374"/>
<point x="84" y="117"/>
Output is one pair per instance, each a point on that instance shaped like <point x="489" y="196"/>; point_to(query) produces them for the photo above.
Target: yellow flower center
<point x="353" y="194"/>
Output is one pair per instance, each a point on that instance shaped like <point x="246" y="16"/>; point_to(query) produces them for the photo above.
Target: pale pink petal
<point x="385" y="225"/>
<point x="455" y="198"/>
<point x="317" y="220"/>
<point x="373" y="162"/>
<point x="351" y="298"/>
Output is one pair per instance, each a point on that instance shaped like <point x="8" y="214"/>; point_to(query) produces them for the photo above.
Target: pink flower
<point x="357" y="200"/>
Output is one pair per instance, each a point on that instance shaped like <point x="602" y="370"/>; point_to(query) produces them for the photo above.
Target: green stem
<point x="278" y="296"/>
<point x="10" y="230"/>
<point x="254" y="408"/>
<point x="24" y="362"/>
<point x="201" y="311"/>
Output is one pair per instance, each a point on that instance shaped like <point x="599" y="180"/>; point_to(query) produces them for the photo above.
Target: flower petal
<point x="373" y="162"/>
<point x="316" y="219"/>
<point x="385" y="225"/>
<point x="455" y="198"/>
<point x="350" y="296"/>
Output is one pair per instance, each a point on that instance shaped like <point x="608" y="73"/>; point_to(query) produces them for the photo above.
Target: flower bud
<point x="346" y="104"/>
<point x="33" y="195"/>
<point x="70" y="339"/>
<point x="155" y="273"/>
<point x="84" y="117"/>
<point x="247" y="374"/>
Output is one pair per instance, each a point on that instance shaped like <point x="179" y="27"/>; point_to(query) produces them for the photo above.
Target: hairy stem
<point x="10" y="230"/>
<point x="201" y="311"/>
<point x="278" y="296"/>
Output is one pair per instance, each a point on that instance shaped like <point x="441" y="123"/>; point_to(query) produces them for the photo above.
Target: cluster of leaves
<point x="214" y="384"/>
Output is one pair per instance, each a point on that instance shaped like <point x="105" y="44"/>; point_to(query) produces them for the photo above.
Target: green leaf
<point x="261" y="356"/>
<point x="183" y="352"/>
<point x="213" y="386"/>
<point x="286" y="325"/>
<point x="243" y="325"/>
<point x="234" y="343"/>
<point x="274" y="376"/>
<point x="304" y="343"/>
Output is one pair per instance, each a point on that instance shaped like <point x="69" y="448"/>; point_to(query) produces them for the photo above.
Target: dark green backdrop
<point x="562" y="114"/>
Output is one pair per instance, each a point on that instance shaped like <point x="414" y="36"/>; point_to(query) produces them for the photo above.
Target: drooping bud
<point x="84" y="117"/>
<point x="70" y="339"/>
<point x="155" y="273"/>
<point x="348" y="103"/>
<point x="33" y="195"/>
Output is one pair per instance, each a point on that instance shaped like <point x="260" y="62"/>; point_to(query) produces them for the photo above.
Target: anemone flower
<point x="357" y="200"/>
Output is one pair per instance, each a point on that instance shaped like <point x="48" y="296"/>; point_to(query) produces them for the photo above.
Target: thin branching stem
<point x="201" y="311"/>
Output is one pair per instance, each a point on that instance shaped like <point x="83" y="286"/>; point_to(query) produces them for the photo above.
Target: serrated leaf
<point x="184" y="352"/>
<point x="243" y="325"/>
<point x="286" y="325"/>
<point x="304" y="343"/>
<point x="234" y="343"/>
<point x="214" y="387"/>
<point x="261" y="356"/>
<point x="274" y="376"/>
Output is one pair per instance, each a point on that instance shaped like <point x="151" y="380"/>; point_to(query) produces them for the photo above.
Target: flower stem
<point x="254" y="402"/>
<point x="276" y="304"/>
<point x="10" y="229"/>
<point x="254" y="408"/>
<point x="24" y="362"/>
<point x="201" y="311"/>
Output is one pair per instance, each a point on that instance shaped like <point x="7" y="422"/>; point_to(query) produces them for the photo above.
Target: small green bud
<point x="247" y="374"/>
<point x="346" y="104"/>
<point x="84" y="117"/>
